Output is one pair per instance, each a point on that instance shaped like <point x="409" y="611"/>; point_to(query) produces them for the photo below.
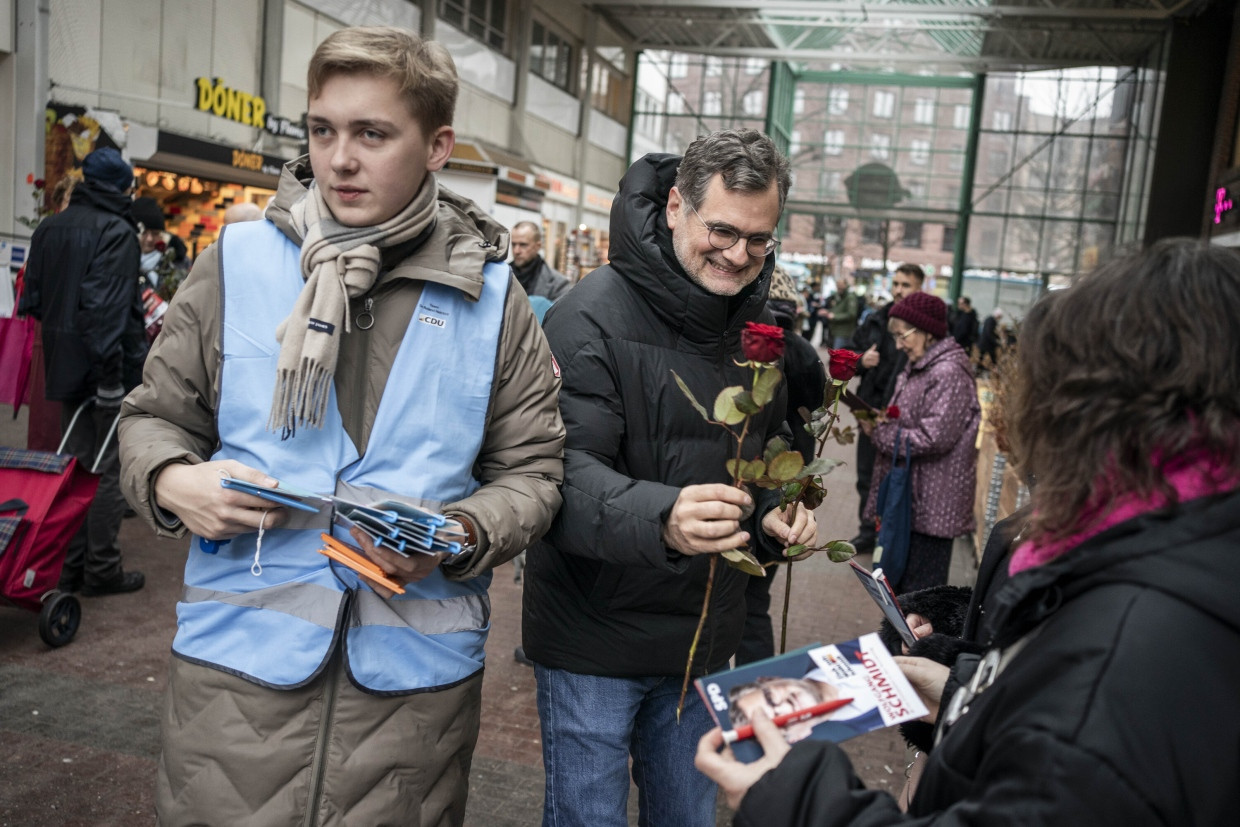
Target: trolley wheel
<point x="59" y="619"/>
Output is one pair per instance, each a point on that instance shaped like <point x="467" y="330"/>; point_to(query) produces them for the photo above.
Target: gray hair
<point x="531" y="226"/>
<point x="746" y="158"/>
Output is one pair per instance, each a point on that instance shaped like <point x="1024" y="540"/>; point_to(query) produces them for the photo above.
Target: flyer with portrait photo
<point x="828" y="693"/>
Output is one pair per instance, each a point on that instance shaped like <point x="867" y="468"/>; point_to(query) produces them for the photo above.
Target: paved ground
<point x="79" y="729"/>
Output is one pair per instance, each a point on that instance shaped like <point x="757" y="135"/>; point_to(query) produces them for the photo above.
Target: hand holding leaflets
<point x="391" y="525"/>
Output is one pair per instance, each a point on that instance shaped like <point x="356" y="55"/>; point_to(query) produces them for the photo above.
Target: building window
<point x="486" y="20"/>
<point x="675" y="104"/>
<point x="755" y="66"/>
<point x="916" y="191"/>
<point x="872" y="232"/>
<point x="831" y="182"/>
<point x="955" y="161"/>
<point x="884" y="104"/>
<point x="923" y="110"/>
<point x="912" y="234"/>
<point x="919" y="151"/>
<point x="960" y="119"/>
<point x="648" y="120"/>
<point x="798" y="102"/>
<point x="753" y="103"/>
<point x="833" y="142"/>
<point x="794" y="143"/>
<point x="949" y="240"/>
<point x="714" y="66"/>
<point x="712" y="103"/>
<point x="552" y="58"/>
<point x="837" y="101"/>
<point x="609" y="92"/>
<point x="880" y="146"/>
<point x="679" y="67"/>
<point x="1003" y="121"/>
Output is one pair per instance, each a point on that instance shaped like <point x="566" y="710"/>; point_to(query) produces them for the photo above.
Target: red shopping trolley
<point x="44" y="498"/>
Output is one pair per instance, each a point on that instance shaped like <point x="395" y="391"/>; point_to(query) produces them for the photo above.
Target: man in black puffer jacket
<point x="82" y="284"/>
<point x="613" y="594"/>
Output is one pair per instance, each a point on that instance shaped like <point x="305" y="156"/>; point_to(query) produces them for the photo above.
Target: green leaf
<point x="786" y="466"/>
<point x="725" y="406"/>
<point x="776" y="446"/>
<point x="793" y="490"/>
<point x="745" y="403"/>
<point x="765" y="385"/>
<point x="793" y="551"/>
<point x="739" y="558"/>
<point x="747" y="470"/>
<point x="840" y="551"/>
<point x="685" y="390"/>
<point x="822" y="465"/>
<point x="767" y="483"/>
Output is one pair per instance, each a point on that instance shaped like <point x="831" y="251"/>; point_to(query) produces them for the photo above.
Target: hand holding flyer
<point x="861" y="673"/>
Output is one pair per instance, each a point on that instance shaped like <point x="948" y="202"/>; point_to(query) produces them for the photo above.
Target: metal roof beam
<point x="817" y="8"/>
<point x="971" y="64"/>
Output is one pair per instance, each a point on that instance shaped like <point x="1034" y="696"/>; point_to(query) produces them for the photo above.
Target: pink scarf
<point x="1192" y="476"/>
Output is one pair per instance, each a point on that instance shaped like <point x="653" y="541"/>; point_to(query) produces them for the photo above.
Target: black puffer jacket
<point x="603" y="595"/>
<point x="1121" y="711"/>
<point x="82" y="283"/>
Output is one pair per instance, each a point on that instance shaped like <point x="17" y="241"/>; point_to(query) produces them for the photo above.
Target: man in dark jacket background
<point x="880" y="364"/>
<point x="613" y="594"/>
<point x="82" y="284"/>
<point x="964" y="324"/>
<point x="537" y="277"/>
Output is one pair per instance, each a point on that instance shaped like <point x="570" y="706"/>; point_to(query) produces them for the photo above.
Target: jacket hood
<point x="463" y="240"/>
<point x="1187" y="552"/>
<point x="641" y="252"/>
<point x="90" y="194"/>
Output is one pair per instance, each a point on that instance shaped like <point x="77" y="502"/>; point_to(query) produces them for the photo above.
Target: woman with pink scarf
<point x="1106" y="692"/>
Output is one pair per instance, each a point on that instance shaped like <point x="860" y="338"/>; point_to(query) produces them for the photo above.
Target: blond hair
<point x="423" y="68"/>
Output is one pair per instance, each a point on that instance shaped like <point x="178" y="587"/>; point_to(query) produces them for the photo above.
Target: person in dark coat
<point x="1107" y="692"/>
<point x="806" y="380"/>
<point x="988" y="340"/>
<point x="964" y="324"/>
<point x="881" y="362"/>
<point x="537" y="277"/>
<point x="82" y="284"/>
<point x="613" y="593"/>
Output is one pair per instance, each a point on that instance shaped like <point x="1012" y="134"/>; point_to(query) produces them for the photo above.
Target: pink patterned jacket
<point x="939" y="415"/>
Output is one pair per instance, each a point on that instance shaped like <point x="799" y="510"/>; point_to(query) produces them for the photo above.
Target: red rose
<point x="39" y="183"/>
<point x="893" y="411"/>
<point x="843" y="364"/>
<point x="161" y="246"/>
<point x="762" y="342"/>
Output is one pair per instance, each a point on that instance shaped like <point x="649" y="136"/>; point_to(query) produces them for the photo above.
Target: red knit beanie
<point x="924" y="311"/>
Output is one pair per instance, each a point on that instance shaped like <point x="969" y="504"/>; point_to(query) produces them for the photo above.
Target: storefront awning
<point x="217" y="162"/>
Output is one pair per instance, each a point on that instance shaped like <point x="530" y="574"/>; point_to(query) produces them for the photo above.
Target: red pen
<point x="743" y="732"/>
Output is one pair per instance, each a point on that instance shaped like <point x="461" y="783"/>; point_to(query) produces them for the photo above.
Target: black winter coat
<point x="603" y="594"/>
<point x="1121" y="711"/>
<point x="82" y="284"/>
<point x="878" y="383"/>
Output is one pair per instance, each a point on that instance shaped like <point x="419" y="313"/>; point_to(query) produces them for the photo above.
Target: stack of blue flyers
<point x="401" y="527"/>
<point x="392" y="524"/>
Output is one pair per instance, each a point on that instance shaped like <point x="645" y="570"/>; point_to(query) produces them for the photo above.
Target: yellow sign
<point x="242" y="107"/>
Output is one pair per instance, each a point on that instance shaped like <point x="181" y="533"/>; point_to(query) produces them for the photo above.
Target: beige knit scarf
<point x="338" y="263"/>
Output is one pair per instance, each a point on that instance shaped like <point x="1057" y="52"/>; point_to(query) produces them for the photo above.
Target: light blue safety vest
<point x="277" y="627"/>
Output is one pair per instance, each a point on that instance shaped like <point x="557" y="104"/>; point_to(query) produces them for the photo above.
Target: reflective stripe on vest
<point x="277" y="627"/>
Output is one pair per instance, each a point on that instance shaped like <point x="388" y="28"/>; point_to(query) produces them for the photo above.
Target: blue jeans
<point x="590" y="727"/>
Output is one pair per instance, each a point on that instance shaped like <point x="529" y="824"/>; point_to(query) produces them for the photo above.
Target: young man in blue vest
<point x="365" y="338"/>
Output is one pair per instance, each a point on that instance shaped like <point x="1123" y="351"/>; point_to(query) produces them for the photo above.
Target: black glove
<point x="109" y="399"/>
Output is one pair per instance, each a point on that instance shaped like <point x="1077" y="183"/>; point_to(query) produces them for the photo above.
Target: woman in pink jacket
<point x="938" y="417"/>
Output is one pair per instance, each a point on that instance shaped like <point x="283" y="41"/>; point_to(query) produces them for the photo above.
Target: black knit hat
<point x="924" y="311"/>
<point x="106" y="166"/>
<point x="147" y="211"/>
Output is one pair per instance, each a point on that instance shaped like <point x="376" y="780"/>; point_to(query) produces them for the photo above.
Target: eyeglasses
<point x="725" y="238"/>
<point x="900" y="337"/>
